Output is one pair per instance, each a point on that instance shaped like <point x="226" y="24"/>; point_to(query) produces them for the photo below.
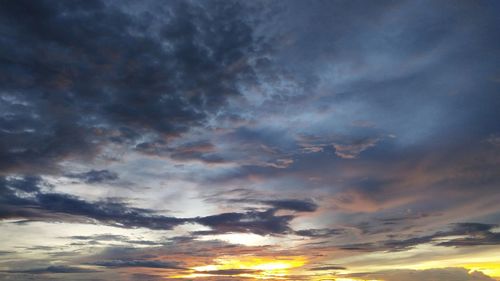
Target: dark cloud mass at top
<point x="227" y="140"/>
<point x="78" y="74"/>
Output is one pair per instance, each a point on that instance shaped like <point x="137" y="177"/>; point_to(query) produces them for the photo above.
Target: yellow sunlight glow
<point x="257" y="267"/>
<point x="489" y="268"/>
<point x="341" y="279"/>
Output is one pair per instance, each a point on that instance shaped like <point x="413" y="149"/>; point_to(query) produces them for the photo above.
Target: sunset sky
<point x="229" y="140"/>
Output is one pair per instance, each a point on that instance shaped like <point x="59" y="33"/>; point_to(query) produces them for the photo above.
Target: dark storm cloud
<point x="95" y="176"/>
<point x="78" y="74"/>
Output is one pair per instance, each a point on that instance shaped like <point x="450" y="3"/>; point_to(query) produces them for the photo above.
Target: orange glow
<point x="350" y="279"/>
<point x="323" y="278"/>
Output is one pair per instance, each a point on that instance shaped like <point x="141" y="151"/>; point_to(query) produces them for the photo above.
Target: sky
<point x="250" y="140"/>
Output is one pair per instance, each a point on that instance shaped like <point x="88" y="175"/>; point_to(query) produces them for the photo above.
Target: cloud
<point x="203" y="151"/>
<point x="320" y="232"/>
<point x="442" y="274"/>
<point x="230" y="272"/>
<point x="96" y="176"/>
<point x="98" y="238"/>
<point x="53" y="270"/>
<point x="101" y="237"/>
<point x="280" y="163"/>
<point x="147" y="277"/>
<point x="248" y="197"/>
<point x="254" y="221"/>
<point x="138" y="263"/>
<point x="328" y="267"/>
<point x="280" y="101"/>
<point x="68" y="97"/>
<point x="352" y="149"/>
<point x="476" y="234"/>
<point x="64" y="207"/>
<point x="292" y="205"/>
<point x="257" y="222"/>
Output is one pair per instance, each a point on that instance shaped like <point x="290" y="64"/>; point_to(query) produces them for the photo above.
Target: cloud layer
<point x="237" y="140"/>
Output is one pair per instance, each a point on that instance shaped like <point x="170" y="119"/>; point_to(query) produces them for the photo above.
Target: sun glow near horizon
<point x="253" y="267"/>
<point x="284" y="267"/>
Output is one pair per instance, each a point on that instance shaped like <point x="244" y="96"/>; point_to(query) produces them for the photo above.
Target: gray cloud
<point x="138" y="263"/>
<point x="258" y="222"/>
<point x="320" y="233"/>
<point x="328" y="267"/>
<point x="63" y="207"/>
<point x="96" y="176"/>
<point x="225" y="272"/>
<point x="110" y="238"/>
<point x="53" y="270"/>
<point x="68" y="97"/>
<point x="477" y="234"/>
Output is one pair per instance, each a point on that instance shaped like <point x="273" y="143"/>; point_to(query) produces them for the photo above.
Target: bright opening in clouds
<point x="250" y="140"/>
